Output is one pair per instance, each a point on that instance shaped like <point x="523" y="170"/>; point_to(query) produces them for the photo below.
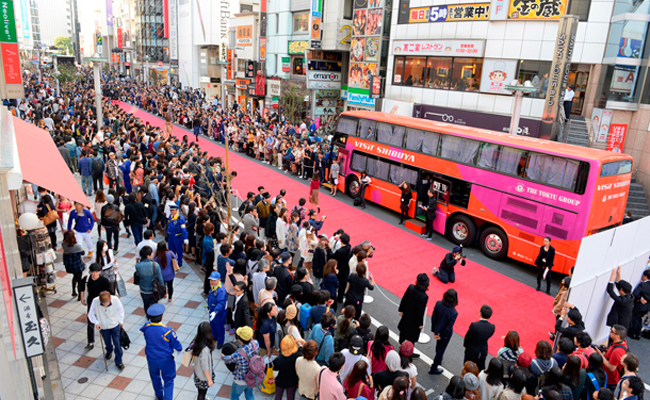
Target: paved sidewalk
<point x="83" y="372"/>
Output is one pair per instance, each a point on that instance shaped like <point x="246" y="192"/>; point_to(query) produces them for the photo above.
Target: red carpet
<point x="400" y="256"/>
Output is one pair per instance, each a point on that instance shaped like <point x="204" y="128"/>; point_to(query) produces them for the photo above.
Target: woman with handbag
<point x="203" y="346"/>
<point x="46" y="212"/>
<point x="106" y="259"/>
<point x="72" y="252"/>
<point x="169" y="264"/>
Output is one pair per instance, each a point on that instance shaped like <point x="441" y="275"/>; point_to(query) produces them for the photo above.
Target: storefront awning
<point x="41" y="163"/>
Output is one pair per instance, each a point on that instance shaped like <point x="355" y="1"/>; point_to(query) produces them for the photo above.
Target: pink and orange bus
<point x="502" y="192"/>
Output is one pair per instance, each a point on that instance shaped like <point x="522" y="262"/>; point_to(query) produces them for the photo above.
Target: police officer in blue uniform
<point x="161" y="341"/>
<point x="217" y="307"/>
<point x="176" y="233"/>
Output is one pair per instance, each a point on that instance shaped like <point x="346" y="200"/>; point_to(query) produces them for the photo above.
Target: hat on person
<point x="291" y="312"/>
<point x="110" y="198"/>
<point x="284" y="257"/>
<point x="245" y="333"/>
<point x="215" y="276"/>
<point x="104" y="296"/>
<point x="471" y="381"/>
<point x="423" y="280"/>
<point x="173" y="206"/>
<point x="112" y="153"/>
<point x="155" y="310"/>
<point x="266" y="195"/>
<point x="456" y="249"/>
<point x="524" y="359"/>
<point x="323" y="236"/>
<point x="406" y="349"/>
<point x="356" y="345"/>
<point x="288" y="346"/>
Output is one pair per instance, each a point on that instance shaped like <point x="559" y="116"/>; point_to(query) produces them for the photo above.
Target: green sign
<point x="8" y="31"/>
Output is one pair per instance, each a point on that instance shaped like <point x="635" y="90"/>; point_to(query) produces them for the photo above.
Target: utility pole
<point x="96" y="60"/>
<point x="228" y="186"/>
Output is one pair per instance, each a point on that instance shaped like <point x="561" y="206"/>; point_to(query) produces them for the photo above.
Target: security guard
<point x="217" y="307"/>
<point x="161" y="341"/>
<point x="176" y="233"/>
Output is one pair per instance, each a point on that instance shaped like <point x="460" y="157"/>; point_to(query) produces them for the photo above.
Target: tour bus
<point x="503" y="192"/>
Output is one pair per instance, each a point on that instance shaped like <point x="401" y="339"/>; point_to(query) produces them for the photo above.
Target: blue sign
<point x="360" y="99"/>
<point x="24" y="16"/>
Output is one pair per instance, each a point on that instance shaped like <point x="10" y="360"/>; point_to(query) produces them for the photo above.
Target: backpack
<point x="256" y="369"/>
<point x="624" y="347"/>
<point x="305" y="316"/>
<point x="98" y="165"/>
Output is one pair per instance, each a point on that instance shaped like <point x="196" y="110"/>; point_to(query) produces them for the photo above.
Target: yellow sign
<point x="537" y="9"/>
<point x="298" y="46"/>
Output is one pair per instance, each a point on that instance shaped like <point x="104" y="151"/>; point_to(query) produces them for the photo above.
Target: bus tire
<point x="461" y="229"/>
<point x="352" y="186"/>
<point x="494" y="243"/>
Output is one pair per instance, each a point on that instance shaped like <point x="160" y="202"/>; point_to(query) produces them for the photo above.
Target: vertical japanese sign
<point x="262" y="49"/>
<point x="166" y="18"/>
<point x="566" y="37"/>
<point x="109" y="12"/>
<point x="24" y="16"/>
<point x="616" y="138"/>
<point x="262" y="53"/>
<point x="245" y="35"/>
<point x="316" y="15"/>
<point x="173" y="29"/>
<point x="11" y="86"/>
<point x="120" y="39"/>
<point x="231" y="61"/>
<point x="27" y="316"/>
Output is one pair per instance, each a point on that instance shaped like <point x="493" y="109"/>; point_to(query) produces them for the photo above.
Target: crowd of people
<point x="277" y="287"/>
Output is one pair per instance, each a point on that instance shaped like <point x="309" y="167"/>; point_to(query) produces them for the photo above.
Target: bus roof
<point x="545" y="146"/>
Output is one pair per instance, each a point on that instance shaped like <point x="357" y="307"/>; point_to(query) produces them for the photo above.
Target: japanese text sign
<point x="537" y="9"/>
<point x="245" y="35"/>
<point x="616" y="138"/>
<point x="473" y="48"/>
<point x="448" y="13"/>
<point x="29" y="325"/>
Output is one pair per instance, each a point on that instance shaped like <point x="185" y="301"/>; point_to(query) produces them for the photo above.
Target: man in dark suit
<point x="621" y="312"/>
<point x="442" y="325"/>
<point x="342" y="256"/>
<point x="574" y="320"/>
<point x="283" y="275"/>
<point x="641" y="306"/>
<point x="240" y="312"/>
<point x="476" y="339"/>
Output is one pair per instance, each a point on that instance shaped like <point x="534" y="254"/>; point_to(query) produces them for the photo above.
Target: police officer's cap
<point x="215" y="276"/>
<point x="156" y="310"/>
<point x="173" y="207"/>
<point x="456" y="249"/>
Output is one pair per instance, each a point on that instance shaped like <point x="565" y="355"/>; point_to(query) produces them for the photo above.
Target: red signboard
<point x="127" y="64"/>
<point x="166" y="17"/>
<point x="11" y="63"/>
<point x="6" y="292"/>
<point x="119" y="38"/>
<point x="260" y="85"/>
<point x="262" y="48"/>
<point x="616" y="138"/>
<point x="231" y="60"/>
<point x="160" y="64"/>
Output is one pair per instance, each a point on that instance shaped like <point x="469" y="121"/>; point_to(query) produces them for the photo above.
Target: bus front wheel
<point x="352" y="186"/>
<point x="461" y="230"/>
<point x="494" y="243"/>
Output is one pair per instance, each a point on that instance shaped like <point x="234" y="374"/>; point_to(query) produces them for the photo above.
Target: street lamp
<point x="146" y="75"/>
<point x="96" y="60"/>
<point x="519" y="90"/>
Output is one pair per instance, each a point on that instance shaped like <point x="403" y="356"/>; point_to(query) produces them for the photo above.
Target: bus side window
<point x="521" y="169"/>
<point x="367" y="129"/>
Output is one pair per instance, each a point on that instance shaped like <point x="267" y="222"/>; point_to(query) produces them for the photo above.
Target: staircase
<point x="637" y="203"/>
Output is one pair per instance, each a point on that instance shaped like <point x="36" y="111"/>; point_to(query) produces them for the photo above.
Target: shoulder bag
<point x="50" y="217"/>
<point x="159" y="289"/>
<point x="174" y="263"/>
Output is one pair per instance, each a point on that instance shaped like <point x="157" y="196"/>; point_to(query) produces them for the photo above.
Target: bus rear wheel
<point x="352" y="186"/>
<point x="461" y="230"/>
<point x="494" y="243"/>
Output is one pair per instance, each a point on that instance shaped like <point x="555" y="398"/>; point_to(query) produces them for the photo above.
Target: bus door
<point x="340" y="153"/>
<point x="441" y="188"/>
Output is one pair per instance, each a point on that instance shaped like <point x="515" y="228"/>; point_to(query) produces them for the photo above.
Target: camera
<point x="599" y="347"/>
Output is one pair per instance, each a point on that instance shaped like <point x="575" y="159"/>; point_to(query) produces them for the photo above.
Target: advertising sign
<point x="360" y="99"/>
<point x="24" y="16"/>
<point x="623" y="79"/>
<point x="629" y="48"/>
<point x="11" y="84"/>
<point x="8" y="31"/>
<point x="499" y="10"/>
<point x="324" y="85"/>
<point x="166" y="18"/>
<point x="242" y="83"/>
<point x="299" y="5"/>
<point x="10" y="64"/>
<point x="449" y="13"/>
<point x="30" y="328"/>
<point x="561" y="63"/>
<point x="496" y="74"/>
<point x="323" y="66"/>
<point x="375" y="86"/>
<point x="605" y="123"/>
<point x="260" y="85"/>
<point x="286" y="64"/>
<point x="616" y="138"/>
<point x="120" y="42"/>
<point x="324" y="76"/>
<point x="537" y="9"/>
<point x="262" y="49"/>
<point x="231" y="61"/>
<point x="109" y="13"/>
<point x="274" y="87"/>
<point x="173" y="29"/>
<point x="298" y="46"/>
<point x="442" y="47"/>
<point x="245" y="35"/>
<point x="499" y="123"/>
<point x="596" y="117"/>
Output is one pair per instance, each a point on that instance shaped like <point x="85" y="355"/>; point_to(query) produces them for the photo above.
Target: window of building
<point x="301" y="22"/>
<point x="579" y="8"/>
<point x="537" y="72"/>
<point x="438" y="72"/>
<point x="297" y="65"/>
<point x="241" y="65"/>
<point x="347" y="9"/>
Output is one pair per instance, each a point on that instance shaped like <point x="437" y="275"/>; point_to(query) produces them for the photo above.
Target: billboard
<point x="245" y="35"/>
<point x="450" y="13"/>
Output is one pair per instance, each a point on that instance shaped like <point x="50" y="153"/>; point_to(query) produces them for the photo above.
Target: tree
<point x="67" y="73"/>
<point x="293" y="101"/>
<point x="64" y="43"/>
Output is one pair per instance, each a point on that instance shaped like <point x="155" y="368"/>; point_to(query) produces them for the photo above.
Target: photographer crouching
<point x="446" y="272"/>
